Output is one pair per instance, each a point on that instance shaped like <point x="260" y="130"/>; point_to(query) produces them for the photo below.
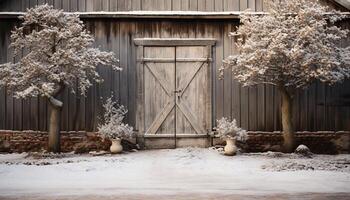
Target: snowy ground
<point x="188" y="173"/>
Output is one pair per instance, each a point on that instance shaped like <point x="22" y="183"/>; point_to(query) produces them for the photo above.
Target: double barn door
<point x="174" y="88"/>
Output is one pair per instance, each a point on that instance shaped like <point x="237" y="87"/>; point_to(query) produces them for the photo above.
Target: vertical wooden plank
<point x="259" y="5"/>
<point x="185" y="5"/>
<point x="32" y="3"/>
<point x="339" y="108"/>
<point x="252" y="5"/>
<point x="89" y="100"/>
<point x="89" y="5"/>
<point x="253" y="114"/>
<point x="235" y="86"/>
<point x="209" y="5"/>
<point x="115" y="36"/>
<point x="243" y="5"/>
<point x="265" y="6"/>
<point x="139" y="124"/>
<point x="296" y="110"/>
<point x="81" y="5"/>
<point x="176" y="5"/>
<point x="26" y="106"/>
<point x="136" y="5"/>
<point x="320" y="107"/>
<point x="194" y="5"/>
<point x="73" y="7"/>
<point x="219" y="5"/>
<point x="277" y="116"/>
<point x="232" y="5"/>
<point x="270" y="104"/>
<point x="65" y="110"/>
<point x="66" y="5"/>
<point x="105" y="5"/>
<point x="17" y="5"/>
<point x="34" y="114"/>
<point x="261" y="104"/>
<point x="201" y="5"/>
<point x="72" y="107"/>
<point x="312" y="108"/>
<point x="227" y="91"/>
<point x="97" y="5"/>
<point x="124" y="5"/>
<point x="57" y="4"/>
<point x="113" y="5"/>
<point x="124" y="49"/>
<point x="304" y="109"/>
<point x="42" y="114"/>
<point x="3" y="56"/>
<point x="245" y="108"/>
<point x="25" y="5"/>
<point x="9" y="98"/>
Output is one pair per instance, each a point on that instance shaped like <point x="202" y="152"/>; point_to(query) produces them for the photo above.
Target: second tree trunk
<point x="287" y="123"/>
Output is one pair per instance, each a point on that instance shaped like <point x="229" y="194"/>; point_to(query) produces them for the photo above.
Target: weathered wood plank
<point x="219" y="5"/>
<point x="270" y="104"/>
<point x="259" y="5"/>
<point x="261" y="104"/>
<point x="124" y="44"/>
<point x="176" y="5"/>
<point x="57" y="4"/>
<point x="185" y="5"/>
<point x="194" y="5"/>
<point x="252" y="5"/>
<point x="73" y="5"/>
<point x="227" y="90"/>
<point x="209" y="5"/>
<point x="253" y="114"/>
<point x="243" y="5"/>
<point x="66" y="5"/>
<point x="81" y="5"/>
<point x="231" y="5"/>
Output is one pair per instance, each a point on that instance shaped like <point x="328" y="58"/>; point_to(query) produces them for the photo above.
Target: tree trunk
<point x="287" y="123"/>
<point x="54" y="129"/>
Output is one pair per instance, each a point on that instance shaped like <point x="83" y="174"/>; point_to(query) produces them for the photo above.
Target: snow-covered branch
<point x="59" y="53"/>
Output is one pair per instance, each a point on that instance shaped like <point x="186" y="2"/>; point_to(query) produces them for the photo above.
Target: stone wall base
<point x="322" y="142"/>
<point x="326" y="142"/>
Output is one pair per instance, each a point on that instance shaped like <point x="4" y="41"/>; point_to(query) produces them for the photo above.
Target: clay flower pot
<point x="230" y="148"/>
<point x="116" y="146"/>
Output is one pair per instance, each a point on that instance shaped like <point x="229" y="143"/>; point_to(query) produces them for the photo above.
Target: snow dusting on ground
<point x="176" y="171"/>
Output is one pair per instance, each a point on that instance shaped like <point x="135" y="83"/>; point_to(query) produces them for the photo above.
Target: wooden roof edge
<point x="343" y="3"/>
<point x="155" y="14"/>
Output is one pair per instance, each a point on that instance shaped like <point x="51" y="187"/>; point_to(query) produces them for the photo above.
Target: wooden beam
<point x="174" y="41"/>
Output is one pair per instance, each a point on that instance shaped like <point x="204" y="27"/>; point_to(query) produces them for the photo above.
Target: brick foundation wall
<point x="82" y="142"/>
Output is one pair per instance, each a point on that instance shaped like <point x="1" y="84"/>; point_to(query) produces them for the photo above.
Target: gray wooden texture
<point x="159" y="5"/>
<point x="257" y="108"/>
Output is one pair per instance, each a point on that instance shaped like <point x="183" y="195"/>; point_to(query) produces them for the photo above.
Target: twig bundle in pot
<point x="229" y="131"/>
<point x="113" y="127"/>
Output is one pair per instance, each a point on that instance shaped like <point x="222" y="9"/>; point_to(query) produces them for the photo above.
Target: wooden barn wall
<point x="159" y="5"/>
<point x="257" y="108"/>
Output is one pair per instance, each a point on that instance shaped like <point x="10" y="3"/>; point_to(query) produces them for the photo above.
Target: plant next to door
<point x="113" y="127"/>
<point x="229" y="131"/>
<point x="291" y="47"/>
<point x="54" y="52"/>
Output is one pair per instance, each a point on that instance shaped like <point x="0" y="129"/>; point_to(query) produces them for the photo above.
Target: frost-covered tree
<point x="293" y="45"/>
<point x="60" y="55"/>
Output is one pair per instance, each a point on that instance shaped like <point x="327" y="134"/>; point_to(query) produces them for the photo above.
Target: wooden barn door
<point x="175" y="91"/>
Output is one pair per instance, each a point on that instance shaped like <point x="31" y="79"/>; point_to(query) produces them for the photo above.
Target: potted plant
<point x="229" y="131"/>
<point x="113" y="128"/>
